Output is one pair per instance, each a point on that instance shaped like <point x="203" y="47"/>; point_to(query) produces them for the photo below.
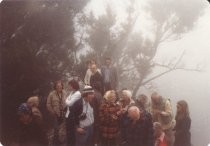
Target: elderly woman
<point x="126" y="100"/>
<point x="109" y="113"/>
<point x="33" y="103"/>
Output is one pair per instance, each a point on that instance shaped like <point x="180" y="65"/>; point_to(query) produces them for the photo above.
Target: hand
<point x="114" y="117"/>
<point x="119" y="112"/>
<point x="80" y="130"/>
<point x="124" y="110"/>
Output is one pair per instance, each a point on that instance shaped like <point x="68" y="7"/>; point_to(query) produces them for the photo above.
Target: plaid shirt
<point x="140" y="133"/>
<point x="109" y="119"/>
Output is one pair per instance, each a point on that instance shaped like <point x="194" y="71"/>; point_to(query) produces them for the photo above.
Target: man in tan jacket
<point x="55" y="106"/>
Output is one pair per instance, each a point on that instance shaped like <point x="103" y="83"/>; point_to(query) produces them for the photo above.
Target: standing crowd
<point x="100" y="115"/>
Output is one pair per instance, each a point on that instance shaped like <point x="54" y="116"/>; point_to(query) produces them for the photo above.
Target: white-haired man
<point x="139" y="129"/>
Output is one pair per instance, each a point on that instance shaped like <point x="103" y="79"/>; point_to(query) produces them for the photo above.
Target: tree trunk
<point x="136" y="89"/>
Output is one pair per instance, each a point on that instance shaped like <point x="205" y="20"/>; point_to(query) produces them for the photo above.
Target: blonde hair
<point x="33" y="101"/>
<point x="109" y="94"/>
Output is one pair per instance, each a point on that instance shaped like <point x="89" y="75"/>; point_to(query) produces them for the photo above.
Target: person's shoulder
<point x="147" y="116"/>
<point x="53" y="92"/>
<point x="78" y="102"/>
<point x="77" y="93"/>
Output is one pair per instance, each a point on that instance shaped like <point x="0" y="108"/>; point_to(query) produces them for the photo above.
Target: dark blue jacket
<point x="140" y="133"/>
<point x="72" y="121"/>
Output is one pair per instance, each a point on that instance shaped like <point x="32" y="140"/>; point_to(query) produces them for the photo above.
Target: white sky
<point x="191" y="86"/>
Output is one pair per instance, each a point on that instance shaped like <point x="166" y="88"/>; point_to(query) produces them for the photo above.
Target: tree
<point x="133" y="51"/>
<point x="37" y="45"/>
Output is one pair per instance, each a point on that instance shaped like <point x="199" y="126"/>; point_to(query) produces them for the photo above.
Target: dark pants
<point x="56" y="133"/>
<point x="70" y="131"/>
<point x="108" y="142"/>
<point x="86" y="138"/>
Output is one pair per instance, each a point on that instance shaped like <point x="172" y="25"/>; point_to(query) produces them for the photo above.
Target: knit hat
<point x="24" y="109"/>
<point x="87" y="89"/>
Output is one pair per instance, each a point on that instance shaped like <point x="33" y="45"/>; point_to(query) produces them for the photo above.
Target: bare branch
<point x="169" y="70"/>
<point x="179" y="60"/>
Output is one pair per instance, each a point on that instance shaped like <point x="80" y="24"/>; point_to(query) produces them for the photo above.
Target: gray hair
<point x="127" y="93"/>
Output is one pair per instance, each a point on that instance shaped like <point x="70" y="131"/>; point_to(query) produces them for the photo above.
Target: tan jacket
<point x="56" y="103"/>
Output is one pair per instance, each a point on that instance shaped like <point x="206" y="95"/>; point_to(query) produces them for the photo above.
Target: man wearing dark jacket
<point x="139" y="129"/>
<point x="109" y="75"/>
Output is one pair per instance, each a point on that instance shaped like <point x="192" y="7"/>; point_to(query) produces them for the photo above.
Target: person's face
<point x="59" y="87"/>
<point x="134" y="115"/>
<point x="112" y="97"/>
<point x="25" y="119"/>
<point x="93" y="68"/>
<point x="125" y="97"/>
<point x="108" y="62"/>
<point x="90" y="97"/>
<point x="156" y="99"/>
<point x="70" y="87"/>
<point x="179" y="108"/>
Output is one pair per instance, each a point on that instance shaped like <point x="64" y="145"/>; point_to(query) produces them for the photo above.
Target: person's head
<point x="58" y="86"/>
<point x="156" y="98"/>
<point x="90" y="62"/>
<point x="158" y="130"/>
<point x="108" y="61"/>
<point x="24" y="114"/>
<point x="126" y="95"/>
<point x="182" y="109"/>
<point x="93" y="68"/>
<point x="33" y="101"/>
<point x="142" y="99"/>
<point x="110" y="96"/>
<point x="134" y="113"/>
<point x="73" y="85"/>
<point x="88" y="93"/>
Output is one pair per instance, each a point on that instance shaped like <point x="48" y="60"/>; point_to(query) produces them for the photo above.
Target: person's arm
<point x="185" y="127"/>
<point x="87" y="77"/>
<point x="49" y="104"/>
<point x="71" y="99"/>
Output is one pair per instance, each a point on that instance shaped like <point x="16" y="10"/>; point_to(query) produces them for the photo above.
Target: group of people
<point x="99" y="115"/>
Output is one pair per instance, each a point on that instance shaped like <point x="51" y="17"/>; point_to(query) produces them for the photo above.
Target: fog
<point x="194" y="87"/>
<point x="145" y="38"/>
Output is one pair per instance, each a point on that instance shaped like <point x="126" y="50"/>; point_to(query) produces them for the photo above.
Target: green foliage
<point x="37" y="48"/>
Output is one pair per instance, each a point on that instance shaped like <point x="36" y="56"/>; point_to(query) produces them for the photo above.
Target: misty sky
<point x="194" y="87"/>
